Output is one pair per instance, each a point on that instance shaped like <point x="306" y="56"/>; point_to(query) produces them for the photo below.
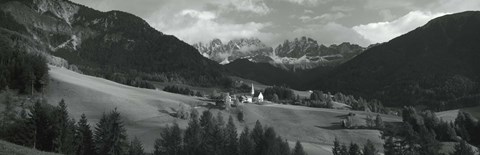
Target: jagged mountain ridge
<point x="105" y="44"/>
<point x="303" y="53"/>
<point x="251" y="48"/>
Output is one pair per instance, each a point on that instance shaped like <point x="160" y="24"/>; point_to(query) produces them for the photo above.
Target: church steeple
<point x="253" y="90"/>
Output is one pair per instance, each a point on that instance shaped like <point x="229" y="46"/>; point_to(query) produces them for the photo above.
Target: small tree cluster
<point x="209" y="135"/>
<point x="184" y="91"/>
<point x="353" y="149"/>
<point x="51" y="129"/>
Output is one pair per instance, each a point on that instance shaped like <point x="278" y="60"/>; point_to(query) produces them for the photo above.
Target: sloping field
<point x="475" y="111"/>
<point x="317" y="127"/>
<point x="141" y="110"/>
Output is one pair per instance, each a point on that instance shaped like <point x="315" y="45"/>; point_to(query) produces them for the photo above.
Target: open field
<point x="145" y="112"/>
<point x="7" y="148"/>
<point x="475" y="111"/>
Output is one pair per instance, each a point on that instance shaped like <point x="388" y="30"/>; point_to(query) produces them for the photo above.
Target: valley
<point x="144" y="112"/>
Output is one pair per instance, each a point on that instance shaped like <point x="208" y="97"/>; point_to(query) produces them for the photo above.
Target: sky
<point x="362" y="22"/>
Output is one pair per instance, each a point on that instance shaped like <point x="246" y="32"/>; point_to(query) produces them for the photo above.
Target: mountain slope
<point x="436" y="64"/>
<point x="110" y="44"/>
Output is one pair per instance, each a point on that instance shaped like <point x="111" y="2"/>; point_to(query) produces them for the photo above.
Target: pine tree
<point x="218" y="136"/>
<point x="84" y="137"/>
<point x="231" y="138"/>
<point x="336" y="147"/>
<point x="389" y="147"/>
<point x="64" y="130"/>
<point x="9" y="113"/>
<point x="369" y="148"/>
<point x="110" y="135"/>
<point x="463" y="148"/>
<point x="354" y="149"/>
<point x="102" y="135"/>
<point x="42" y="128"/>
<point x="170" y="141"/>
<point x="207" y="124"/>
<point x="119" y="135"/>
<point x="379" y="122"/>
<point x="370" y="121"/>
<point x="298" y="150"/>
<point x="344" y="150"/>
<point x="257" y="137"/>
<point x="136" y="147"/>
<point x="192" y="135"/>
<point x="245" y="143"/>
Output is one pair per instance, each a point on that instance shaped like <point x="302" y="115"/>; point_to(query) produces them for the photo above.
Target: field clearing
<point x="145" y="112"/>
<point x="475" y="111"/>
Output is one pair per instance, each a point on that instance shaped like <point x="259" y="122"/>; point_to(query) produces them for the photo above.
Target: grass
<point x="145" y="112"/>
<point x="7" y="148"/>
<point x="475" y="111"/>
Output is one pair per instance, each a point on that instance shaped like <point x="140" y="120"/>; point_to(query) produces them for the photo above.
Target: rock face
<point x="303" y="53"/>
<point x="101" y="42"/>
<point x="306" y="53"/>
<point x="251" y="48"/>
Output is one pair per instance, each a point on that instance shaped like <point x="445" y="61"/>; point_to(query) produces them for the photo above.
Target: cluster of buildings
<point x="242" y="98"/>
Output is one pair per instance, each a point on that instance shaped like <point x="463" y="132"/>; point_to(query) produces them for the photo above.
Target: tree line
<point x="47" y="128"/>
<point x="50" y="128"/>
<point x="210" y="135"/>
<point x="22" y="71"/>
<point x="184" y="91"/>
<point x="421" y="133"/>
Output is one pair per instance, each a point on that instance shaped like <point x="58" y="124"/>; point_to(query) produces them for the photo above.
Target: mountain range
<point x="300" y="53"/>
<point x="114" y="44"/>
<point x="436" y="64"/>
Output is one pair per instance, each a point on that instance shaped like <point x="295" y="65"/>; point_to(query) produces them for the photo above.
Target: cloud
<point x="341" y="9"/>
<point x="308" y="2"/>
<point x="308" y="11"/>
<point x="255" y="6"/>
<point x="202" y="15"/>
<point x="322" y="18"/>
<point x="384" y="31"/>
<point x="327" y="34"/>
<point x="194" y="26"/>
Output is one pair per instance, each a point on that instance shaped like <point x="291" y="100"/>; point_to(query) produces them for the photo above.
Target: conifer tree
<point x="231" y="138"/>
<point x="207" y="124"/>
<point x="170" y="141"/>
<point x="298" y="150"/>
<point x="245" y="143"/>
<point x="462" y="148"/>
<point x="136" y="147"/>
<point x="369" y="148"/>
<point x="102" y="135"/>
<point x="84" y="137"/>
<point x="192" y="135"/>
<point x="110" y="135"/>
<point x="344" y="150"/>
<point x="354" y="149"/>
<point x="64" y="130"/>
<point x="218" y="136"/>
<point x="336" y="147"/>
<point x="42" y="128"/>
<point x="8" y="114"/>
<point x="257" y="137"/>
<point x="379" y="122"/>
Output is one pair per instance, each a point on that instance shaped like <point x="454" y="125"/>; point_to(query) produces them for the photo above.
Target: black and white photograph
<point x="239" y="77"/>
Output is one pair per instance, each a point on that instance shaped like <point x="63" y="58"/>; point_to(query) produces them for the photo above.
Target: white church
<point x="244" y="98"/>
